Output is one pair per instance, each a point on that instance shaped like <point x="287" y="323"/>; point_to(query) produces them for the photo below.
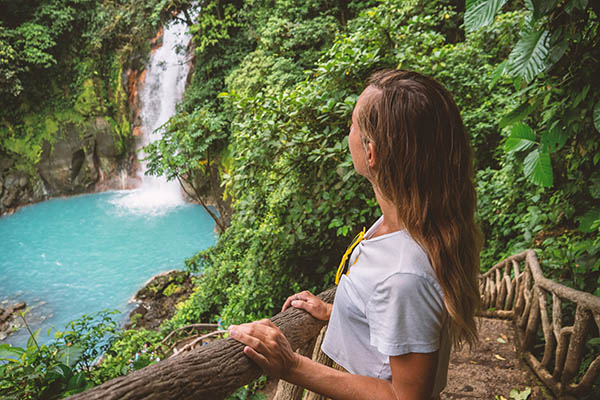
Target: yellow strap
<point x="356" y="241"/>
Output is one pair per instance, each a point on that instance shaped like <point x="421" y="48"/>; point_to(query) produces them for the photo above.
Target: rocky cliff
<point x="83" y="159"/>
<point x="91" y="149"/>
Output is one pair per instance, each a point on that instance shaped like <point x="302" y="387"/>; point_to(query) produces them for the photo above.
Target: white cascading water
<point x="163" y="88"/>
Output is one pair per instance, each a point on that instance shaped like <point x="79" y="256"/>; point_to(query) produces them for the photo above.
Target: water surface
<point x="68" y="257"/>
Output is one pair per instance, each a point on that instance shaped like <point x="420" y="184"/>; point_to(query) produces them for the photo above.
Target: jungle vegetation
<point x="268" y="110"/>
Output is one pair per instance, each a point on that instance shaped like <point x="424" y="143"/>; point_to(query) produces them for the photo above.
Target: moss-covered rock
<point x="74" y="146"/>
<point x="158" y="298"/>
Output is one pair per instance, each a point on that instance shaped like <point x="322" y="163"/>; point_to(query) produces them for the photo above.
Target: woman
<point x="410" y="290"/>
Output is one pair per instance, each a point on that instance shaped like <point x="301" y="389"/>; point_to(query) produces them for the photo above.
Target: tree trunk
<point x="210" y="372"/>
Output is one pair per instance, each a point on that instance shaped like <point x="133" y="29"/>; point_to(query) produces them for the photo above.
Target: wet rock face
<point x="76" y="162"/>
<point x="158" y="298"/>
<point x="84" y="159"/>
<point x="15" y="186"/>
<point x="68" y="165"/>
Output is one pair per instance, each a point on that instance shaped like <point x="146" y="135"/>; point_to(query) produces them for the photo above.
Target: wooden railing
<point x="515" y="288"/>
<point x="209" y="372"/>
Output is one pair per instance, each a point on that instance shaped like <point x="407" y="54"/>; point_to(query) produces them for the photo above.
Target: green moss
<point x="88" y="103"/>
<point x="51" y="126"/>
<point x="119" y="101"/>
<point x="172" y="289"/>
<point x="24" y="141"/>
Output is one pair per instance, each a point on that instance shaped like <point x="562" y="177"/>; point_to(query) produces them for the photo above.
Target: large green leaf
<point x="481" y="13"/>
<point x="587" y="221"/>
<point x="554" y="139"/>
<point x="530" y="55"/>
<point x="497" y="74"/>
<point x="521" y="137"/>
<point x="8" y="352"/>
<point x="538" y="169"/>
<point x="597" y="116"/>
<point x="518" y="114"/>
<point x="70" y="355"/>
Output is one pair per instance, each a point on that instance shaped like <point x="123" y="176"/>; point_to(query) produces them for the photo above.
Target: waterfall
<point x="163" y="88"/>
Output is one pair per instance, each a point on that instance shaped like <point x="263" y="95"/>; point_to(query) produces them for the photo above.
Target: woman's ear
<point x="371" y="155"/>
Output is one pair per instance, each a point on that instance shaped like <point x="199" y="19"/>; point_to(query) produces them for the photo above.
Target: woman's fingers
<point x="302" y="296"/>
<point x="266" y="322"/>
<point x="304" y="305"/>
<point x="247" y="335"/>
<point x="266" y="345"/>
<point x="310" y="303"/>
<point x="256" y="357"/>
<point x="288" y="302"/>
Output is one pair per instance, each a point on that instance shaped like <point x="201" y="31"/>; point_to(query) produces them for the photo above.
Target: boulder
<point x="17" y="187"/>
<point x="68" y="166"/>
<point x="158" y="298"/>
<point x="14" y="189"/>
<point x="105" y="140"/>
<point x="7" y="319"/>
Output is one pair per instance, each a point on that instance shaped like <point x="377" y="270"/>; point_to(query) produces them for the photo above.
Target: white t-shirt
<point x="389" y="304"/>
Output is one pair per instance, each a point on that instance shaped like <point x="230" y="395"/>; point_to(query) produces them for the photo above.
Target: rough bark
<point x="209" y="372"/>
<point x="289" y="391"/>
<point x="321" y="358"/>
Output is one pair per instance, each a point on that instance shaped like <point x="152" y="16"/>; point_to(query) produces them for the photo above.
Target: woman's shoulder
<point x="408" y="262"/>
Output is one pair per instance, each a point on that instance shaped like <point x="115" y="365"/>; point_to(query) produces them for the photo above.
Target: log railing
<point x="515" y="288"/>
<point x="208" y="372"/>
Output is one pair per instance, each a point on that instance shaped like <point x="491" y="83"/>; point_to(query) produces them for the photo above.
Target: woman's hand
<point x="266" y="346"/>
<point x="310" y="303"/>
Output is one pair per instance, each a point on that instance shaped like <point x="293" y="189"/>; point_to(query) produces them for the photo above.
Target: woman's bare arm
<point x="413" y="374"/>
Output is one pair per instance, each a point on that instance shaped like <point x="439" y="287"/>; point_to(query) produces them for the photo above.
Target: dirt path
<point x="492" y="368"/>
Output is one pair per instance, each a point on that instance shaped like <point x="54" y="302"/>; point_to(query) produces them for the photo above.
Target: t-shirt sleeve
<point x="405" y="315"/>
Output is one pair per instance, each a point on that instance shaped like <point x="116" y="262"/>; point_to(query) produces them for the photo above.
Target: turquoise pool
<point x="72" y="256"/>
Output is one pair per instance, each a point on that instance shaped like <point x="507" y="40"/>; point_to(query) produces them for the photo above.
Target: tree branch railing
<point x="516" y="289"/>
<point x="212" y="371"/>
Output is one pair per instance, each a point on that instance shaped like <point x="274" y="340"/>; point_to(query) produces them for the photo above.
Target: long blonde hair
<point x="425" y="167"/>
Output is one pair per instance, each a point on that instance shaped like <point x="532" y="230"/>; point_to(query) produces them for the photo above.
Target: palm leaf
<point x="538" y="169"/>
<point x="530" y="55"/>
<point x="481" y="13"/>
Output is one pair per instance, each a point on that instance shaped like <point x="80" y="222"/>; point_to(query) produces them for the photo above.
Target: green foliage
<point x="189" y="142"/>
<point x="61" y="368"/>
<point x="553" y="141"/>
<point x="63" y="61"/>
<point x="597" y="116"/>
<point x="250" y="391"/>
<point x="529" y="57"/>
<point x="551" y="32"/>
<point x="537" y="167"/>
<point x="481" y="13"/>
<point x="521" y="138"/>
<point x="213" y="25"/>
<point x="297" y="200"/>
<point x="29" y="35"/>
<point x="172" y="289"/>
<point x="130" y="351"/>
